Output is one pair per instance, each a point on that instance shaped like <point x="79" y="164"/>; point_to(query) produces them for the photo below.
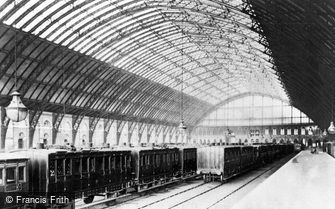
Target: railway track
<point x="130" y="197"/>
<point x="178" y="193"/>
<point x="218" y="186"/>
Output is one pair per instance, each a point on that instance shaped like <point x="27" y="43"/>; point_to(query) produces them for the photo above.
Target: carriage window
<point x="157" y="160"/>
<point x="84" y="164"/>
<point x="76" y="166"/>
<point x="99" y="164"/>
<point x="106" y="163"/>
<point x="167" y="159"/>
<point x="126" y="161"/>
<point x="92" y="166"/>
<point x="164" y="158"/>
<point x="113" y="163"/>
<point x="67" y="166"/>
<point x="143" y="159"/>
<point x="1" y="179"/>
<point x="52" y="168"/>
<point x="117" y="162"/>
<point x="129" y="162"/>
<point x="10" y="175"/>
<point x="59" y="167"/>
<point x="21" y="173"/>
<point x="148" y="159"/>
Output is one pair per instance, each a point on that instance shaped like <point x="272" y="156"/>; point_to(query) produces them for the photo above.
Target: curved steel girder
<point x="42" y="61"/>
<point x="233" y="98"/>
<point x="55" y="21"/>
<point x="154" y="101"/>
<point x="154" y="71"/>
<point x="168" y="49"/>
<point x="141" y="31"/>
<point x="101" y="16"/>
<point x="199" y="67"/>
<point x="172" y="104"/>
<point x="174" y="53"/>
<point x="156" y="58"/>
<point x="147" y="37"/>
<point x="182" y="46"/>
<point x="87" y="71"/>
<point x="141" y="110"/>
<point x="199" y="64"/>
<point x="64" y="15"/>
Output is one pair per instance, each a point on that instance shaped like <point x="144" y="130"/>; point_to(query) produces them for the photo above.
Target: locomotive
<point x="111" y="172"/>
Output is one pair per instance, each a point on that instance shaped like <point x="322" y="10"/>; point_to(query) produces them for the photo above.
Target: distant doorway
<point x="310" y="142"/>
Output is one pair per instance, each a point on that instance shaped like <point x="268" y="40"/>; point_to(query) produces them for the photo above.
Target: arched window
<point x="46" y="123"/>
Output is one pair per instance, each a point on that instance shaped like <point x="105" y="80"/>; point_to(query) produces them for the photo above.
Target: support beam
<point x="131" y="127"/>
<point x="93" y="121"/>
<point x="165" y="132"/>
<point x="4" y="127"/>
<point x="34" y="116"/>
<point x="119" y="128"/>
<point x="76" y="120"/>
<point x="107" y="126"/>
<point x="141" y="128"/>
<point x="150" y="128"/>
<point x="56" y="121"/>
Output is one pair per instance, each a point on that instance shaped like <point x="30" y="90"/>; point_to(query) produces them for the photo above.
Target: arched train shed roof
<point x="125" y="58"/>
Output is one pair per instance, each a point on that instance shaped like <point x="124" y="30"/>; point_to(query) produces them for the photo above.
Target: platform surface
<point x="305" y="182"/>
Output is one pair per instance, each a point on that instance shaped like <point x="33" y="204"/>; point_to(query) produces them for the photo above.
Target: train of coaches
<point x="111" y="172"/>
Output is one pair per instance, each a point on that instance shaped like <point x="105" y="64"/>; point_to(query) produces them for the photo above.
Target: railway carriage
<point x="155" y="166"/>
<point x="224" y="162"/>
<point x="218" y="161"/>
<point x="248" y="158"/>
<point x="110" y="172"/>
<point x="83" y="173"/>
<point x="13" y="173"/>
<point x="188" y="158"/>
<point x="14" y="177"/>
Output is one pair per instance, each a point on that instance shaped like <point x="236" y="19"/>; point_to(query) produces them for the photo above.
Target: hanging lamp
<point x="16" y="110"/>
<point x="182" y="125"/>
<point x="325" y="132"/>
<point x="331" y="128"/>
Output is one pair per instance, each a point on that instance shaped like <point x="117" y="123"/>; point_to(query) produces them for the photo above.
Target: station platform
<point x="307" y="181"/>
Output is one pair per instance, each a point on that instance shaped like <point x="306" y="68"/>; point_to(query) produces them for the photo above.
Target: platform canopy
<point x="129" y="59"/>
